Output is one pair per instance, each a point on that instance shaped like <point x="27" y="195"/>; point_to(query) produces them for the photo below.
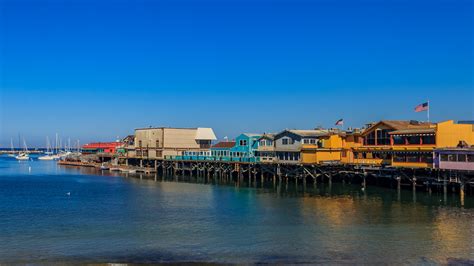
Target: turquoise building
<point x="245" y="148"/>
<point x="221" y="150"/>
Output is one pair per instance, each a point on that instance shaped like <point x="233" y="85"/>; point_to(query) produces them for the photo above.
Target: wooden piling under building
<point x="260" y="173"/>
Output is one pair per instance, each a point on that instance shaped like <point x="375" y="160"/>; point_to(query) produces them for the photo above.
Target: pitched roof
<point x="205" y="133"/>
<point x="268" y="136"/>
<point x="309" y="133"/>
<point x="398" y="125"/>
<point x="224" y="144"/>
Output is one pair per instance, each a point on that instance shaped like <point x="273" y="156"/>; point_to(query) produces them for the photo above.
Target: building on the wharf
<point x="221" y="150"/>
<point x="461" y="158"/>
<point x="327" y="148"/>
<point x="127" y="149"/>
<point x="376" y="148"/>
<point x="266" y="148"/>
<point x="167" y="142"/>
<point x="351" y="138"/>
<point x="288" y="143"/>
<point x="101" y="147"/>
<point x="409" y="143"/>
<point x="245" y="148"/>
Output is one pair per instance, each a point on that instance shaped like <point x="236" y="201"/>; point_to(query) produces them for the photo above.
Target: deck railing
<point x="213" y="158"/>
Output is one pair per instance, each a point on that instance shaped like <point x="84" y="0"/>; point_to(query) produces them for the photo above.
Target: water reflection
<point x="118" y="217"/>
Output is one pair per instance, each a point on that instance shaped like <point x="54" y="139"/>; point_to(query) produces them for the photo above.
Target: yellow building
<point x="350" y="140"/>
<point x="408" y="143"/>
<point x="414" y="147"/>
<point x="327" y="149"/>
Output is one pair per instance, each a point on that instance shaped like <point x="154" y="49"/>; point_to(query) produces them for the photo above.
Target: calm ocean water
<point x="117" y="218"/>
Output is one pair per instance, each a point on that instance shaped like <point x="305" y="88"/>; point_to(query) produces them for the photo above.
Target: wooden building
<point x="221" y="150"/>
<point x="266" y="148"/>
<point x="288" y="144"/>
<point x="166" y="142"/>
<point x="327" y="149"/>
<point x="409" y="143"/>
<point x="245" y="147"/>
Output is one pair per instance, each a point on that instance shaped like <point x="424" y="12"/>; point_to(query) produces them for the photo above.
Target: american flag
<point x="422" y="107"/>
<point x="340" y="122"/>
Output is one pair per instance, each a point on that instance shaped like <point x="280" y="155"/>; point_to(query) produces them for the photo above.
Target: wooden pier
<point x="417" y="179"/>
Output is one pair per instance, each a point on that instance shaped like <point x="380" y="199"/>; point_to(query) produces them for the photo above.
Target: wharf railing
<point x="213" y="158"/>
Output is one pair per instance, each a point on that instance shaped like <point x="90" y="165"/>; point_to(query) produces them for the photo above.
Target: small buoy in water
<point x="363" y="188"/>
<point x="69" y="193"/>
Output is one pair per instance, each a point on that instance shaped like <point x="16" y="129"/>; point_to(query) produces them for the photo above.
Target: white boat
<point x="49" y="156"/>
<point x="63" y="154"/>
<point x="23" y="156"/>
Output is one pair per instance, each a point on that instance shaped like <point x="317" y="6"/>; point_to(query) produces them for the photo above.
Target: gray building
<point x="288" y="143"/>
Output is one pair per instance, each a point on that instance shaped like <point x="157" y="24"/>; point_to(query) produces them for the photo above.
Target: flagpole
<point x="428" y="113"/>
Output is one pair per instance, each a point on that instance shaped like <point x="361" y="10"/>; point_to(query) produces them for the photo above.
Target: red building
<point x="100" y="147"/>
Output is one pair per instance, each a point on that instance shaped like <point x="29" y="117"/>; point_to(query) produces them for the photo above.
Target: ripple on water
<point x="113" y="218"/>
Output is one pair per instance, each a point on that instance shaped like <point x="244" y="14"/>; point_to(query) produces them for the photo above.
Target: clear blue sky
<point x="94" y="70"/>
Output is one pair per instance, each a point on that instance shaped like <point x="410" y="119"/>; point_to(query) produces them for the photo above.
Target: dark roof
<point x="268" y="136"/>
<point x="224" y="144"/>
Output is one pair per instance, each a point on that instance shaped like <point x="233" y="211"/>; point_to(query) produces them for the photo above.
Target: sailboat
<point x="49" y="155"/>
<point x="23" y="156"/>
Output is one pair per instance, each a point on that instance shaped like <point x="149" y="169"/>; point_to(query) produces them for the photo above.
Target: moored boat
<point x="22" y="157"/>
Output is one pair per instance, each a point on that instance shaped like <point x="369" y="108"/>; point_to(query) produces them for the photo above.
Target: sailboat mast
<point x="56" y="143"/>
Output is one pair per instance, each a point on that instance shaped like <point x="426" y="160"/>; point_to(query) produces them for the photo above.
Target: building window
<point x="140" y="143"/>
<point x="370" y="139"/>
<point x="470" y="158"/>
<point x="382" y="137"/>
<point x="269" y="143"/>
<point x="461" y="158"/>
<point x="414" y="140"/>
<point x="398" y="140"/>
<point x="204" y="144"/>
<point x="451" y="157"/>
<point x="157" y="143"/>
<point x="378" y="137"/>
<point x="426" y="158"/>
<point x="284" y="141"/>
<point x="428" y="139"/>
<point x="444" y="157"/>
<point x="243" y="142"/>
